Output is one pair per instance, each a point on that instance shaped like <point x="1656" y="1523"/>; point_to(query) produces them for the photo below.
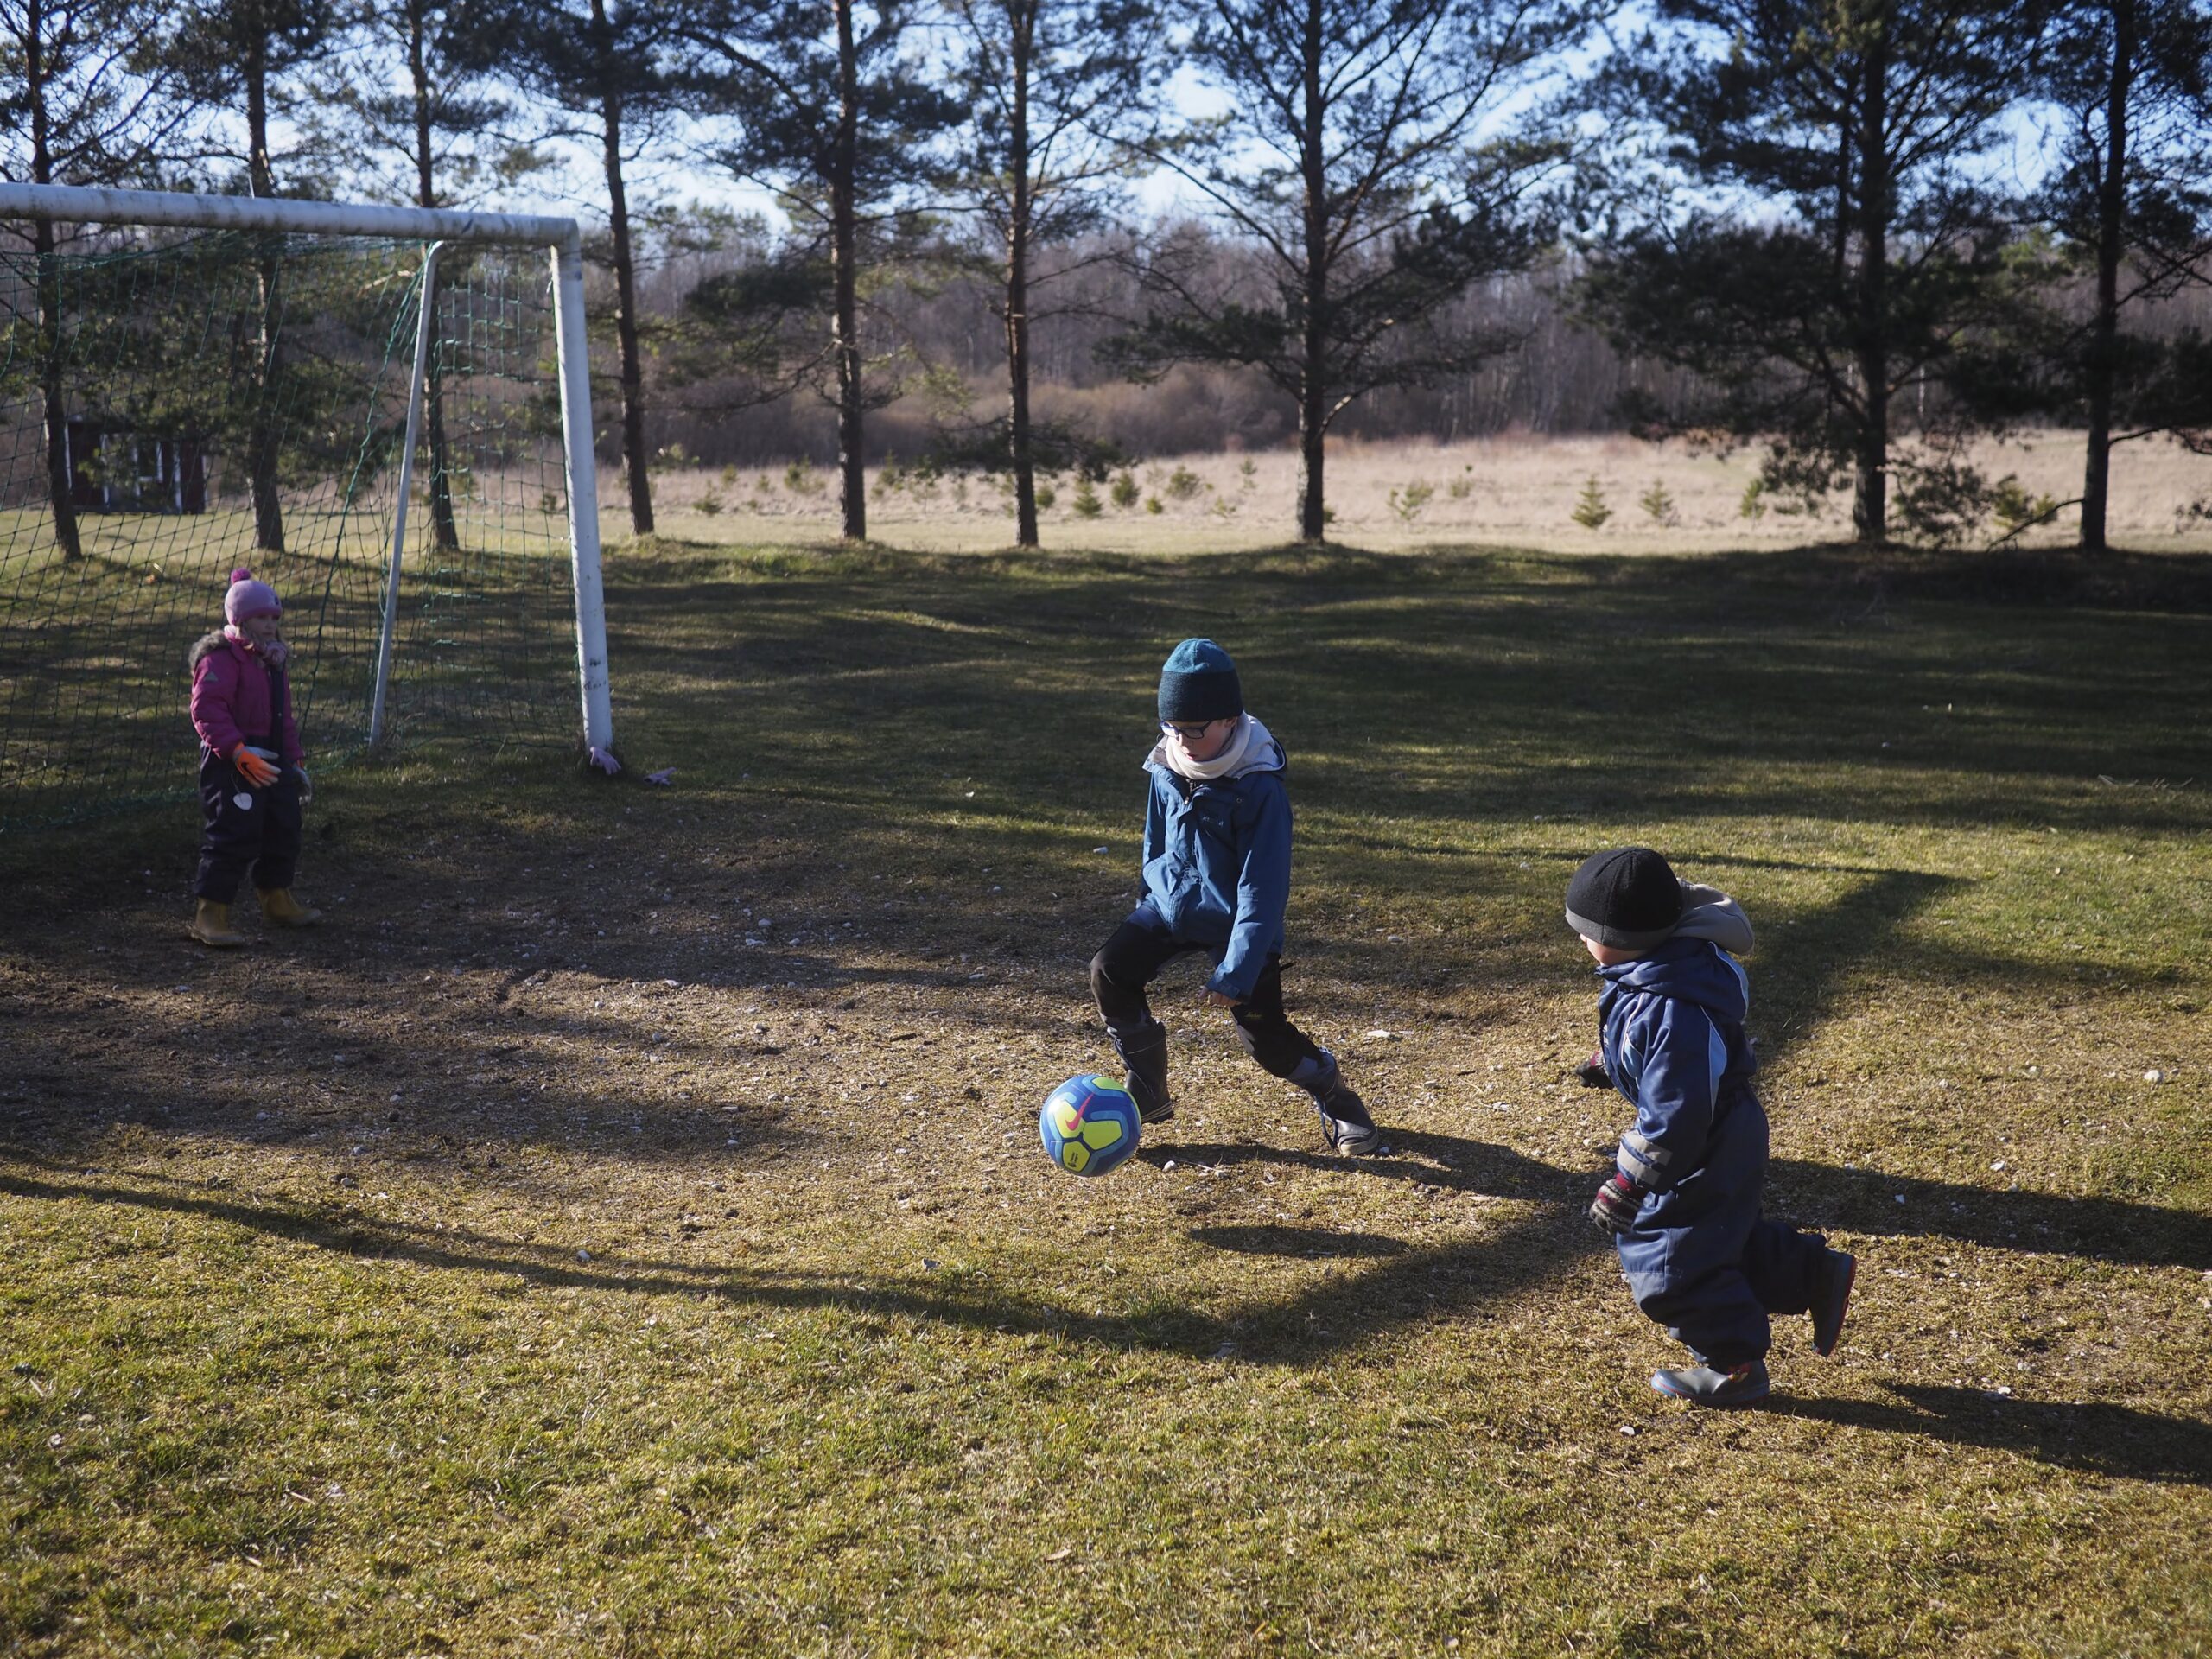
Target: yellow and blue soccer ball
<point x="1090" y="1125"/>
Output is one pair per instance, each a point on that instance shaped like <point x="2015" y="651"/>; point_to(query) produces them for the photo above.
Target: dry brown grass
<point x="622" y="1228"/>
<point x="1521" y="492"/>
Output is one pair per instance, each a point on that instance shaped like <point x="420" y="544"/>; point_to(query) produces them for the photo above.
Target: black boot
<point x="1144" y="1050"/>
<point x="1344" y="1118"/>
<point x="1832" y="1299"/>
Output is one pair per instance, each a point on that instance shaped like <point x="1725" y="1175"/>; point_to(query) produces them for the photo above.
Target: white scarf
<point x="1250" y="748"/>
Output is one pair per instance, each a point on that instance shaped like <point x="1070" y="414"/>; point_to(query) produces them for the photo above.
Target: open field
<point x="1516" y="492"/>
<point x="620" y="1228"/>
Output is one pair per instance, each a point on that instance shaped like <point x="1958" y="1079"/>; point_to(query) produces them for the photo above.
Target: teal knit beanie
<point x="1200" y="682"/>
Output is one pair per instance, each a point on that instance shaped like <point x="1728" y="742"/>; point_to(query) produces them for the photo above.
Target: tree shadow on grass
<point x="1308" y="1242"/>
<point x="1399" y="1285"/>
<point x="2112" y="1231"/>
<point x="2096" y="1439"/>
<point x="2095" y="1228"/>
<point x="1293" y="1328"/>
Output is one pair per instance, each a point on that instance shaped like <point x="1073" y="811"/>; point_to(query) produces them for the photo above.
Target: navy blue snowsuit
<point x="1701" y="1260"/>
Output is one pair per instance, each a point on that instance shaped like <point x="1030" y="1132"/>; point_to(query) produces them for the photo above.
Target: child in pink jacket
<point x="252" y="782"/>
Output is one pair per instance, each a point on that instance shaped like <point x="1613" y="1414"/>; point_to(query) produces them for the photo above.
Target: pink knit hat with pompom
<point x="250" y="598"/>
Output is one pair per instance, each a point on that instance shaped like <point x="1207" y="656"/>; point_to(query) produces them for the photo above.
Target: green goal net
<point x="175" y="404"/>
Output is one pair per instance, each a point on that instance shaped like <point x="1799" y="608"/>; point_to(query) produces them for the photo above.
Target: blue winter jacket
<point x="1217" y="865"/>
<point x="1672" y="1029"/>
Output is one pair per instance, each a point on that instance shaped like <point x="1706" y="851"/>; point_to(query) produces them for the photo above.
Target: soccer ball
<point x="1090" y="1125"/>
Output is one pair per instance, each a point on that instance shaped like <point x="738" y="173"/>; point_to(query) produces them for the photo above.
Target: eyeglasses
<point x="1189" y="733"/>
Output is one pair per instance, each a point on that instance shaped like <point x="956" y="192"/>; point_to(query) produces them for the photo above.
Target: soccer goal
<point x="385" y="411"/>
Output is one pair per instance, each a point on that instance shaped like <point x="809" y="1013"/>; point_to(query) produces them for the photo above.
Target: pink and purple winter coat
<point x="231" y="690"/>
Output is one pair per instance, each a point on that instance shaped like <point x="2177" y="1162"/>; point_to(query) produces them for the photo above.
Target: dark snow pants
<point x="1703" y="1261"/>
<point x="1141" y="946"/>
<point x="245" y="826"/>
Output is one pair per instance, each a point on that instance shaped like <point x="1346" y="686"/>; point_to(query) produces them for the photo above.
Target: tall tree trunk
<point x="60" y="486"/>
<point x="1022" y="16"/>
<point x="1314" y="356"/>
<point x="626" y="305"/>
<point x="1870" y="503"/>
<point x="1845" y="129"/>
<point x="265" y="428"/>
<point x="445" y="534"/>
<point x="844" y="239"/>
<point x="2104" y="327"/>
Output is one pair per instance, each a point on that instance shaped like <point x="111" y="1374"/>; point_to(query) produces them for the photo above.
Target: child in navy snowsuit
<point x="1683" y="1201"/>
<point x="252" y="781"/>
<point x="1216" y="878"/>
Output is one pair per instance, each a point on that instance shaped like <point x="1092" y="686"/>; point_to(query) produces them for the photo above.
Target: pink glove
<point x="1614" y="1209"/>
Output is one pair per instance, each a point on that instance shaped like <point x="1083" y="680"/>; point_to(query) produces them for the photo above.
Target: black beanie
<point x="1624" y="897"/>
<point x="1199" y="681"/>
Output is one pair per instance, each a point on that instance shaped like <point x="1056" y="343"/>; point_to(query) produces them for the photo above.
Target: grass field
<point x="620" y="1230"/>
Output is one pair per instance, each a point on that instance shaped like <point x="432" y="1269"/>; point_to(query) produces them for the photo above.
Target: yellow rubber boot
<point x="280" y="909"/>
<point x="211" y="925"/>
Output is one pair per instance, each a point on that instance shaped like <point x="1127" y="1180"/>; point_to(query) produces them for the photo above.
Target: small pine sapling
<point x="1589" y="508"/>
<point x="1086" y="502"/>
<point x="2015" y="510"/>
<point x="1657" y="505"/>
<point x="1412" y="501"/>
<point x="1123" y="490"/>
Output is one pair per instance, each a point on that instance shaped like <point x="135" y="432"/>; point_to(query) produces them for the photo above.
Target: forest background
<point x="1044" y="242"/>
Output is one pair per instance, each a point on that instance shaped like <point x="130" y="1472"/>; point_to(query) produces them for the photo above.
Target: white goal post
<point x="562" y="236"/>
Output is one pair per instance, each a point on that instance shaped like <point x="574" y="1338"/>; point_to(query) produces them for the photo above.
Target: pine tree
<point x="1590" y="509"/>
<point x="620" y="70"/>
<point x="90" y="100"/>
<point x="1059" y="91"/>
<point x="834" y="110"/>
<point x="1353" y="162"/>
<point x="1863" y="122"/>
<point x="2132" y="204"/>
<point x="248" y="56"/>
<point x="435" y="134"/>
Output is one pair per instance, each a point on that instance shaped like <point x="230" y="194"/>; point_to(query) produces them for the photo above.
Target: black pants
<point x="264" y="832"/>
<point x="1141" y="946"/>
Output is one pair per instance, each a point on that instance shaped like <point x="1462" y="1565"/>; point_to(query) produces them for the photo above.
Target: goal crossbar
<point x="81" y="205"/>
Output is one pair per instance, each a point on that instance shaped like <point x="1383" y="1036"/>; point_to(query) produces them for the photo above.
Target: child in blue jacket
<point x="1682" y="1203"/>
<point x="1216" y="877"/>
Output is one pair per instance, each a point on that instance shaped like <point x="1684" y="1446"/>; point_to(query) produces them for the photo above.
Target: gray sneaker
<point x="1344" y="1117"/>
<point x="1701" y="1385"/>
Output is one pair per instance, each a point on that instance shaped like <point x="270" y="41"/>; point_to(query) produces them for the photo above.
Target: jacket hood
<point x="1692" y="970"/>
<point x="205" y="647"/>
<point x="1709" y="913"/>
